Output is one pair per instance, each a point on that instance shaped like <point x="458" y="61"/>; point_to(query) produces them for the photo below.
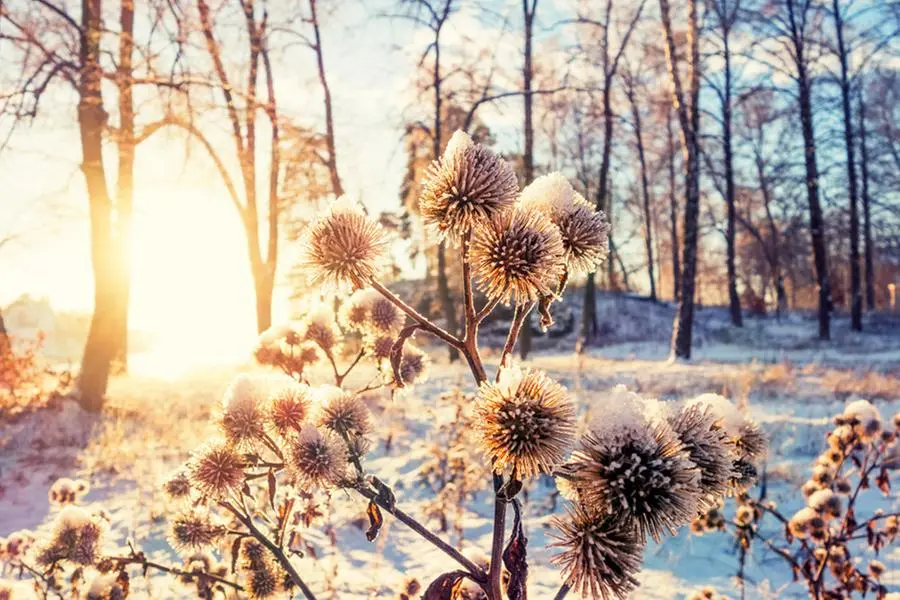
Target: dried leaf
<point x="235" y="552"/>
<point x="444" y="586"/>
<point x="124" y="582"/>
<point x="515" y="558"/>
<point x="375" y="521"/>
<point x="397" y="353"/>
<point x="883" y="481"/>
<point x="273" y="486"/>
<point x="510" y="489"/>
<point x="385" y="495"/>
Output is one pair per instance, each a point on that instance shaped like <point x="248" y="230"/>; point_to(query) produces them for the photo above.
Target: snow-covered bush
<point x="830" y="545"/>
<point x="27" y="382"/>
<point x="641" y="469"/>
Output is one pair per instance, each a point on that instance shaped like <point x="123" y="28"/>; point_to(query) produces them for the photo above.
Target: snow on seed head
<point x="317" y="458"/>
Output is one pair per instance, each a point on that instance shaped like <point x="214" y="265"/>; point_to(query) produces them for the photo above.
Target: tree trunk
<point x="689" y="119"/>
<point x="125" y="183"/>
<point x="263" y="283"/>
<point x="336" y="186"/>
<point x="645" y="189"/>
<point x="4" y="336"/>
<point x="673" y="211"/>
<point x="855" y="283"/>
<point x="102" y="339"/>
<point x="867" y="224"/>
<point x="734" y="301"/>
<point x="528" y="156"/>
<point x="816" y="223"/>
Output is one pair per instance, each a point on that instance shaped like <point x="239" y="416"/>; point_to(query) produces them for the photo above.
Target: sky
<point x="190" y="271"/>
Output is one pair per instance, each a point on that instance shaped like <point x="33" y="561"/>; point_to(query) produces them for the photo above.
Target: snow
<point x="777" y="372"/>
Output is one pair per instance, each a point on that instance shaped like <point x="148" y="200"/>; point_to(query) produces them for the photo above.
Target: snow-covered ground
<point x="790" y="383"/>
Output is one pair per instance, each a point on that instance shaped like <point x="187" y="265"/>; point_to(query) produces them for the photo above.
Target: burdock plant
<point x="639" y="470"/>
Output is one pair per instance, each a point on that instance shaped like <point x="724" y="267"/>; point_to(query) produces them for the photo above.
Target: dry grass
<point x="871" y="385"/>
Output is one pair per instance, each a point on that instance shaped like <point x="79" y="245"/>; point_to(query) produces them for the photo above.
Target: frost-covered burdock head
<point x="863" y="417"/>
<point x="194" y="529"/>
<point x="288" y="408"/>
<point x="76" y="537"/>
<point x="584" y="231"/>
<point x="636" y="468"/>
<point x="178" y="486"/>
<point x="263" y="575"/>
<point x="66" y="491"/>
<point x="601" y="555"/>
<point x="16" y="545"/>
<point x="217" y="470"/>
<point x="826" y="503"/>
<point x="466" y="188"/>
<point x="805" y="523"/>
<point x="413" y="365"/>
<point x="342" y="412"/>
<point x="518" y="256"/>
<point x="705" y="442"/>
<point x="106" y="586"/>
<point x="345" y="247"/>
<point x="384" y="316"/>
<point x="318" y="458"/>
<point x="525" y="421"/>
<point x="320" y="327"/>
<point x="243" y="420"/>
<point x="354" y="312"/>
<point x="378" y="346"/>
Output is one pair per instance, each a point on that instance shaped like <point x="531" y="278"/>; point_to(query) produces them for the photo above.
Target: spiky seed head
<point x="751" y="441"/>
<point x="379" y="346"/>
<point x="178" y="486"/>
<point x="743" y="476"/>
<point x="16" y="545"/>
<point x="585" y="238"/>
<point x="876" y="569"/>
<point x="106" y="586"/>
<point x="826" y="503"/>
<point x="345" y="247"/>
<point x="318" y="458"/>
<point x="805" y="522"/>
<point x="413" y="365"/>
<point x="551" y="194"/>
<point x="320" y="327"/>
<point x="636" y="468"/>
<point x="385" y="316"/>
<point x="525" y="422"/>
<point x="288" y="409"/>
<point x="194" y="529"/>
<point x="243" y="420"/>
<point x="67" y="491"/>
<point x="466" y="188"/>
<point x="705" y="442"/>
<point x="744" y="515"/>
<point x="600" y="555"/>
<point x="354" y="312"/>
<point x="76" y="537"/>
<point x="217" y="470"/>
<point x="865" y="419"/>
<point x="342" y="412"/>
<point x="518" y="256"/>
<point x="263" y="576"/>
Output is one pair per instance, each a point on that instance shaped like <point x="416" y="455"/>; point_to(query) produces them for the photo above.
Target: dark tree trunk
<point x="673" y="212"/>
<point x="855" y="279"/>
<point x="816" y="222"/>
<point x="867" y="224"/>
<point x="645" y="188"/>
<point x="336" y="186"/>
<point x="734" y="301"/>
<point x="102" y="336"/>
<point x="4" y="336"/>
<point x="689" y="119"/>
<point x="125" y="183"/>
<point x="263" y="284"/>
<point x="528" y="157"/>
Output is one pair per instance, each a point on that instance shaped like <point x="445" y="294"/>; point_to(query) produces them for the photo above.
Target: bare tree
<point x="726" y="13"/>
<point x="866" y="202"/>
<point x="529" y="9"/>
<point x="687" y="108"/>
<point x="608" y="62"/>
<point x="673" y="207"/>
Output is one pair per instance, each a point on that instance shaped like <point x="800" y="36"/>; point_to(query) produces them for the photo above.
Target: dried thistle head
<point x="178" y="486"/>
<point x="217" y="470"/>
<point x="288" y="409"/>
<point x="343" y="412"/>
<point x="805" y="523"/>
<point x="635" y="467"/>
<point x="826" y="503"/>
<point x="525" y="422"/>
<point x="378" y="346"/>
<point x="16" y="545"/>
<point x="194" y="529"/>
<point x="518" y="256"/>
<point x="354" y="312"/>
<point x="106" y="586"/>
<point x="317" y="458"/>
<point x="600" y="555"/>
<point x="67" y="491"/>
<point x="243" y="420"/>
<point x="384" y="316"/>
<point x="466" y="188"/>
<point x="584" y="231"/>
<point x="705" y="442"/>
<point x="865" y="419"/>
<point x="344" y="247"/>
<point x="76" y="537"/>
<point x="413" y="365"/>
<point x="263" y="576"/>
<point x="320" y="327"/>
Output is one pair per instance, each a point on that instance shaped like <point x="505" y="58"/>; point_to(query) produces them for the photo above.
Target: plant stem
<point x="520" y="313"/>
<point x="497" y="539"/>
<point x="563" y="592"/>
<point x="410" y="522"/>
<point x="279" y="554"/>
<point x="143" y="562"/>
<point x="416" y="316"/>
